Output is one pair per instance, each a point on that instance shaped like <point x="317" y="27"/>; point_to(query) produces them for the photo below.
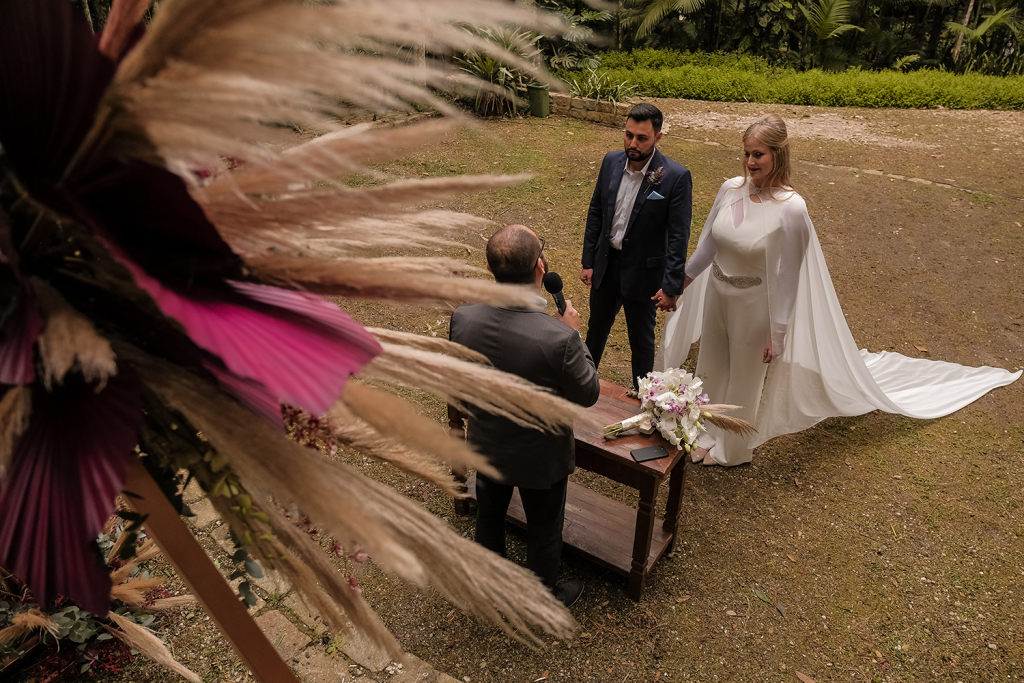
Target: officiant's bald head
<point x="515" y="255"/>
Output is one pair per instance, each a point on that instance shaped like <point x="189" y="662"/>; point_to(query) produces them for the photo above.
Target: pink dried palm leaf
<point x="65" y="471"/>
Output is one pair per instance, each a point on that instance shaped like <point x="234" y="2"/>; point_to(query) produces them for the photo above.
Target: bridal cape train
<point x="821" y="373"/>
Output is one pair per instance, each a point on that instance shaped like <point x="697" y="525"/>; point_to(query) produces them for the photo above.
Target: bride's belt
<point x="740" y="281"/>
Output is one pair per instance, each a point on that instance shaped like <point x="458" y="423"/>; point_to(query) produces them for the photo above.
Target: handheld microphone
<point x="553" y="283"/>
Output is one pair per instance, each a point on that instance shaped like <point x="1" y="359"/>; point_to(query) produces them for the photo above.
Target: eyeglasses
<point x="542" y="243"/>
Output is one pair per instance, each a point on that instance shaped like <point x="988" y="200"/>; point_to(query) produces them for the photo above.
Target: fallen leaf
<point x="782" y="608"/>
<point x="729" y="613"/>
<point x="584" y="635"/>
<point x="586" y="670"/>
<point x="791" y="558"/>
<point x="569" y="132"/>
<point x="804" y="677"/>
<point x="610" y="669"/>
<point x="848" y="463"/>
<point x="796" y="480"/>
<point x="1018" y="224"/>
<point x="997" y="259"/>
<point x="879" y="655"/>
<point x="771" y="630"/>
<point x="686" y="597"/>
<point x="921" y="347"/>
<point x="426" y="495"/>
<point x="761" y="596"/>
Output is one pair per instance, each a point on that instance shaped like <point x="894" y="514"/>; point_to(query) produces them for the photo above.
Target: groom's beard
<point x="637" y="155"/>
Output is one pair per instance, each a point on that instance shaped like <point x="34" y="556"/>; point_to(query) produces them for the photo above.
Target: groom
<point x="634" y="247"/>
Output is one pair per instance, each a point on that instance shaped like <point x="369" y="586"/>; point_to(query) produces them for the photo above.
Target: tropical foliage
<point x="962" y="36"/>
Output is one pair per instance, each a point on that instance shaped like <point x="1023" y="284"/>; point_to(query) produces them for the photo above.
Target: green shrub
<point x="731" y="77"/>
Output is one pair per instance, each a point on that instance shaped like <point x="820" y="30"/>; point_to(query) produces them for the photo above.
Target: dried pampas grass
<point x="410" y="280"/>
<point x="463" y="383"/>
<point x="390" y="415"/>
<point x="715" y="414"/>
<point x="143" y="640"/>
<point x="400" y="537"/>
<point x="424" y="343"/>
<point x="206" y="77"/>
<point x="133" y="593"/>
<point x="25" y="623"/>
<point x="279" y="545"/>
<point x="69" y="342"/>
<point x="357" y="434"/>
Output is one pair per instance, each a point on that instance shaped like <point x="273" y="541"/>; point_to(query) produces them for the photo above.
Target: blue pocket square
<point x="654" y="195"/>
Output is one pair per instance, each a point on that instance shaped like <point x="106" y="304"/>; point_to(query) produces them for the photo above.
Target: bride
<point x="773" y="336"/>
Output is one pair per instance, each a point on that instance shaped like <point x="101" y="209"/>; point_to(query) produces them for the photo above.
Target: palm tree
<point x="645" y="14"/>
<point x="827" y="20"/>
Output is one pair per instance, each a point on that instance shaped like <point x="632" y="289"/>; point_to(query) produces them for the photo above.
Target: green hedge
<point x="733" y="78"/>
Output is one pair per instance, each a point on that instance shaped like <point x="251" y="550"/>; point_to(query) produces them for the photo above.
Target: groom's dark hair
<point x="512" y="255"/>
<point x="647" y="112"/>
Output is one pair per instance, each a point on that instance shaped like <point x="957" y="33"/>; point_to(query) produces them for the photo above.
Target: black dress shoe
<point x="569" y="592"/>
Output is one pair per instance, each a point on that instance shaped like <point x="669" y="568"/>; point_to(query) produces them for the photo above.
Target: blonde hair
<point x="771" y="130"/>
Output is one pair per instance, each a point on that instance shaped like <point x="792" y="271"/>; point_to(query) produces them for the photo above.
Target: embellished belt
<point x="740" y="281"/>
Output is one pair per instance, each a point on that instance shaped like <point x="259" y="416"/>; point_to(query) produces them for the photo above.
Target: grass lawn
<point x="891" y="546"/>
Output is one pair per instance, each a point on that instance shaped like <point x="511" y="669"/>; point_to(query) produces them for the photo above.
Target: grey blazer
<point x="545" y="351"/>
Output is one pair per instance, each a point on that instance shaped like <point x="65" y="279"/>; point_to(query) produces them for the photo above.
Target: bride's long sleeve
<point x="702" y="256"/>
<point x="706" y="249"/>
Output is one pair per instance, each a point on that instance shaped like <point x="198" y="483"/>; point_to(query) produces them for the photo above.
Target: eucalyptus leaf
<point x="255" y="571"/>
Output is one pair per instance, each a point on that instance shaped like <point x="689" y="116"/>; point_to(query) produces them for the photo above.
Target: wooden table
<point x="612" y="534"/>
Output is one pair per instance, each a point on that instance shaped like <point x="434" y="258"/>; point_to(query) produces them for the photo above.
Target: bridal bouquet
<point x="673" y="403"/>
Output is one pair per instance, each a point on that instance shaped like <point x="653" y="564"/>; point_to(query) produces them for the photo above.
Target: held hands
<point x="571" y="317"/>
<point x="664" y="301"/>
<point x="587" y="276"/>
<point x="774" y="350"/>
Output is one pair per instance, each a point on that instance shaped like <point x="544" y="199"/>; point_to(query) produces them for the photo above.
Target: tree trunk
<point x="716" y="24"/>
<point x="938" y="28"/>
<point x="960" y="38"/>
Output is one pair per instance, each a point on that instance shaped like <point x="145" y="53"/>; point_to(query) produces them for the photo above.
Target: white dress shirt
<point x="624" y="200"/>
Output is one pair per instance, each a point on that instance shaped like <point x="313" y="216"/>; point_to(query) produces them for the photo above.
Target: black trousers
<point x="641" y="316"/>
<point x="545" y="515"/>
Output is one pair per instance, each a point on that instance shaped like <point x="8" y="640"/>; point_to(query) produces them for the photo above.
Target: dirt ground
<point x="894" y="546"/>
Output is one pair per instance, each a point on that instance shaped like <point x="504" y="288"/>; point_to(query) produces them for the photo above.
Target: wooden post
<point x="203" y="580"/>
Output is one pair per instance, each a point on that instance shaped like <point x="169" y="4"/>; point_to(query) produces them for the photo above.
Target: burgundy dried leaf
<point x="66" y="470"/>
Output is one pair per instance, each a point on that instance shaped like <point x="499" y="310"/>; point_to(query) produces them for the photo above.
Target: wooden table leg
<point x="194" y="567"/>
<point x="642" y="537"/>
<point x="675" y="495"/>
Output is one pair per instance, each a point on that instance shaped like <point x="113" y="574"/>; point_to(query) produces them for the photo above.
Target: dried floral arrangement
<point x="165" y="242"/>
<point x="85" y="642"/>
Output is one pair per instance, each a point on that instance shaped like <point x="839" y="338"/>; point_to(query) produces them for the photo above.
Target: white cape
<point x="821" y="372"/>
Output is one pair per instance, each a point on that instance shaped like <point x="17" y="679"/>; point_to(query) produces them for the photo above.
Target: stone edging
<point x="595" y="111"/>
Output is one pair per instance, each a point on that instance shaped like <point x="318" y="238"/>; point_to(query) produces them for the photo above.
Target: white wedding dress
<point x="759" y="270"/>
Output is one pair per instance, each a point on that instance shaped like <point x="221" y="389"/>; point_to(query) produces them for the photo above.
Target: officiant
<point x="548" y="351"/>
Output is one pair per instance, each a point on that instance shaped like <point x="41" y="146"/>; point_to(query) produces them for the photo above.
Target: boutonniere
<point x="653" y="178"/>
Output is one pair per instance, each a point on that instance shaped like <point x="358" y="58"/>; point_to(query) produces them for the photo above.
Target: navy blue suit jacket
<point x="658" y="232"/>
